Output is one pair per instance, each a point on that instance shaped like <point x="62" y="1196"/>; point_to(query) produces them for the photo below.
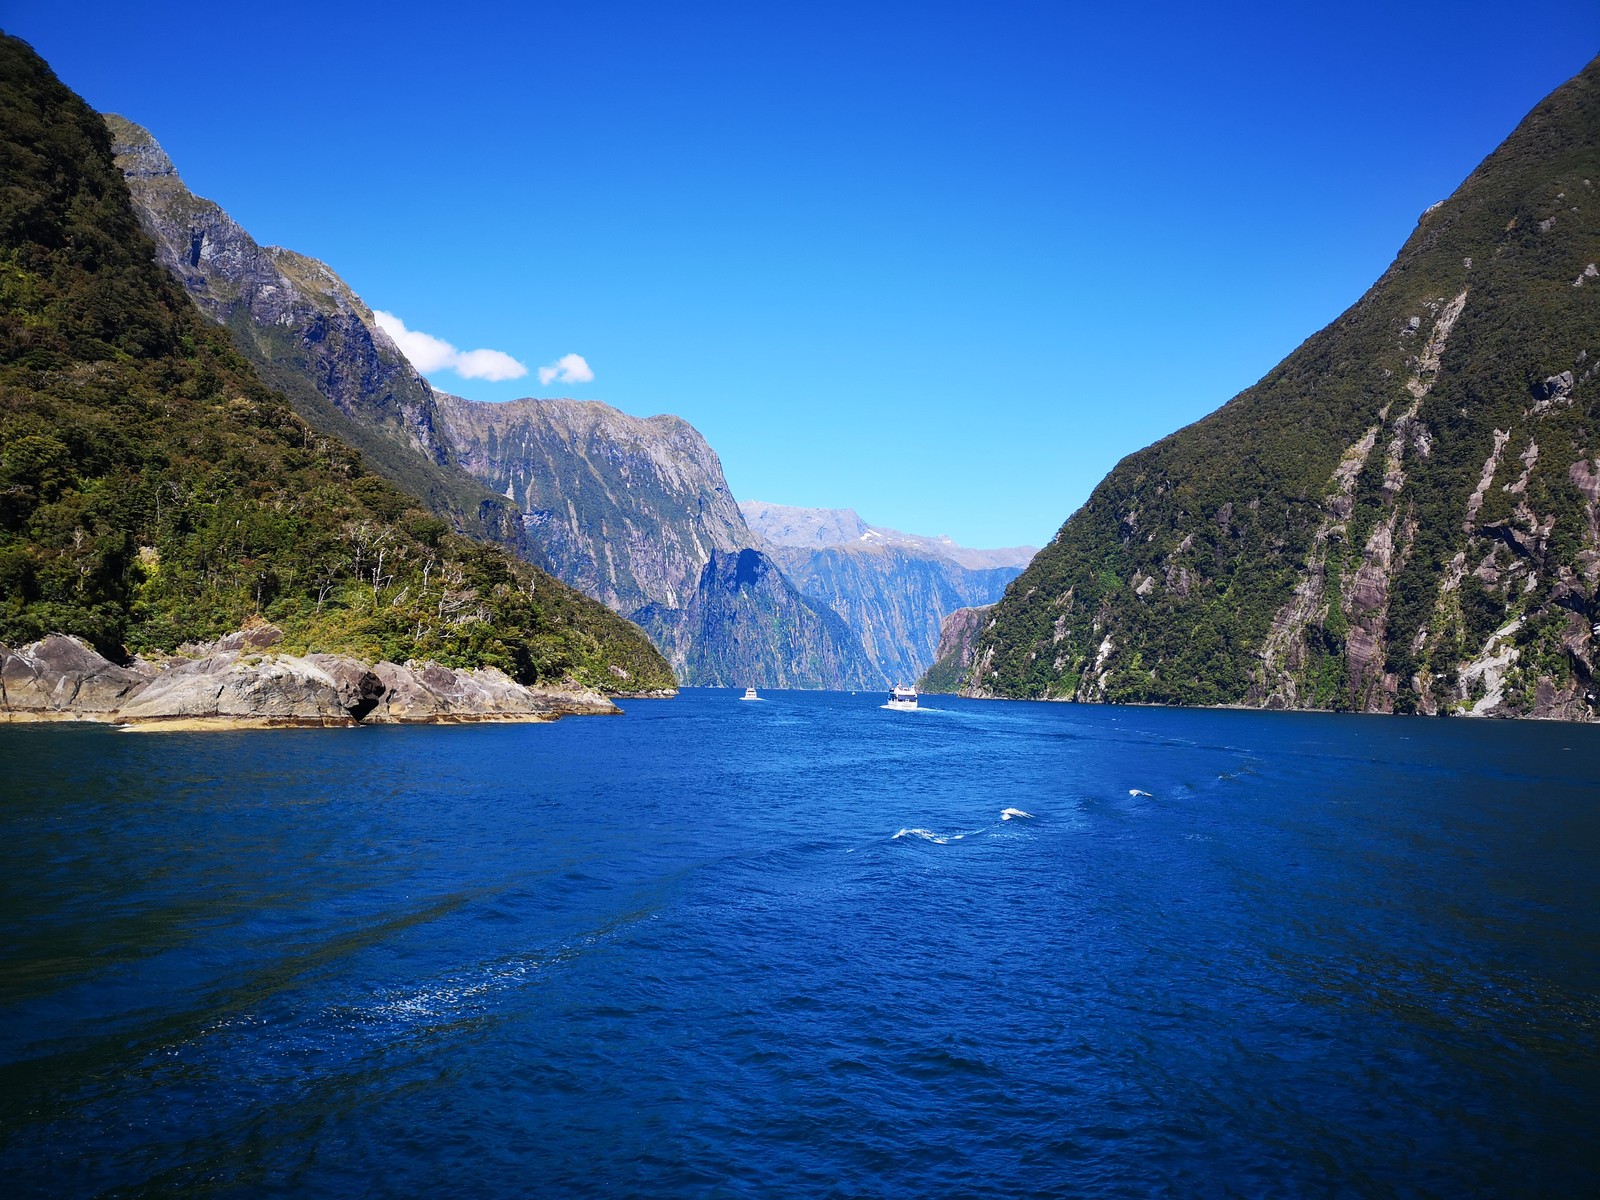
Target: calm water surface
<point x="791" y="948"/>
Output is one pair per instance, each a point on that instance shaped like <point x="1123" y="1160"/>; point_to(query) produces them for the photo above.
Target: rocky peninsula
<point x="241" y="682"/>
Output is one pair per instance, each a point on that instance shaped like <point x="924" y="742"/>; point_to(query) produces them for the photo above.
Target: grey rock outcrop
<point x="226" y="687"/>
<point x="427" y="692"/>
<point x="61" y="675"/>
<point x="229" y="685"/>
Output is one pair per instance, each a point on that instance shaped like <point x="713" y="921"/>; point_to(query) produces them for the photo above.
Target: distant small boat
<point x="749" y="694"/>
<point x="903" y="699"/>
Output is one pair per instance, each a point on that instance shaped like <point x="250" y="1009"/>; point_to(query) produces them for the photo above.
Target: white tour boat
<point x="749" y="694"/>
<point x="903" y="698"/>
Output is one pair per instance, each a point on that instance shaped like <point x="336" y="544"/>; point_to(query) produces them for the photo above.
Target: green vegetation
<point x="943" y="678"/>
<point x="154" y="491"/>
<point x="1166" y="586"/>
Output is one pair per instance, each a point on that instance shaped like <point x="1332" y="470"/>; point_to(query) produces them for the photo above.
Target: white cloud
<point x="429" y="354"/>
<point x="569" y="368"/>
<point x="493" y="365"/>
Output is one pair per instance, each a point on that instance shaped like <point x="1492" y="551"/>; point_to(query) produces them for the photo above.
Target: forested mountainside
<point x="153" y="490"/>
<point x="1404" y="515"/>
<point x="958" y="636"/>
<point x="893" y="589"/>
<point x="309" y="335"/>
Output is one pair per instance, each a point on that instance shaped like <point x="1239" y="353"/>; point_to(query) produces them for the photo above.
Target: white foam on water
<point x="1137" y="792"/>
<point x="1007" y="813"/>
<point x="928" y="835"/>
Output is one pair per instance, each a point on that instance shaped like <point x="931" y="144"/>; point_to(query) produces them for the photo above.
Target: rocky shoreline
<point x="239" y="682"/>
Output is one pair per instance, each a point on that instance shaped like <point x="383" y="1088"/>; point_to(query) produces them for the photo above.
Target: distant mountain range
<point x="893" y="589"/>
<point x="634" y="512"/>
<point x="1402" y="516"/>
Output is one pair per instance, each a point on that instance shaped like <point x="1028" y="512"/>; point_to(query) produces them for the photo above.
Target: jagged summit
<point x="141" y="155"/>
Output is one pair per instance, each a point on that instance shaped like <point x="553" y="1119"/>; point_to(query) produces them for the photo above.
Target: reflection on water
<point x="804" y="947"/>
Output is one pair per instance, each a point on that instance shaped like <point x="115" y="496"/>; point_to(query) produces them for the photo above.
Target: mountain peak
<point x="138" y="153"/>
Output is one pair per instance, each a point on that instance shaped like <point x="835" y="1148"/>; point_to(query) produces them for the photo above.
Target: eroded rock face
<point x="358" y="685"/>
<point x="427" y="692"/>
<point x="301" y="312"/>
<point x="62" y="675"/>
<point x="229" y="684"/>
<point x="275" y="690"/>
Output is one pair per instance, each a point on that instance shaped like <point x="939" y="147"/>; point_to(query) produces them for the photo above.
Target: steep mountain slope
<point x="308" y="334"/>
<point x="628" y="509"/>
<point x="153" y="491"/>
<point x="958" y="637"/>
<point x="746" y="625"/>
<point x="636" y="512"/>
<point x="1404" y="515"/>
<point x="893" y="589"/>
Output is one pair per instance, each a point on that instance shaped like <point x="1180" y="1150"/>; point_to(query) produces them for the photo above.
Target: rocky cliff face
<point x="893" y="589"/>
<point x="1404" y="515"/>
<point x="636" y="512"/>
<point x="627" y="509"/>
<point x="893" y="600"/>
<point x="309" y="334"/>
<point x="746" y="625"/>
<point x="958" y="639"/>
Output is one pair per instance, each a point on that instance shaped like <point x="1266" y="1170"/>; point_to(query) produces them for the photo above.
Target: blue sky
<point x="943" y="264"/>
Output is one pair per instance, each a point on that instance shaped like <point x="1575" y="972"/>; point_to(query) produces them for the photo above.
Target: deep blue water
<point x="702" y="950"/>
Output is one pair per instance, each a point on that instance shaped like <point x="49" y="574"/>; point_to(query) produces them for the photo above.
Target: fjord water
<point x="716" y="948"/>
